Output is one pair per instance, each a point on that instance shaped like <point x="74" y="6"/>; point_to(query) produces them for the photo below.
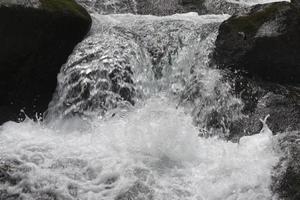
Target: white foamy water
<point x="152" y="152"/>
<point x="254" y="2"/>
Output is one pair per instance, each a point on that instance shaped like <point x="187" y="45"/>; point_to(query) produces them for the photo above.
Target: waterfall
<point x="129" y="58"/>
<point x="139" y="114"/>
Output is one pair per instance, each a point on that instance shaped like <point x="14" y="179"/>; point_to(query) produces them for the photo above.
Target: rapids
<point x="128" y="118"/>
<point x="152" y="152"/>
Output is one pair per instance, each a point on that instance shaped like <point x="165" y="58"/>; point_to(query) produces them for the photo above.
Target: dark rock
<point x="262" y="98"/>
<point x="193" y="5"/>
<point x="286" y="176"/>
<point x="35" y="42"/>
<point x="264" y="42"/>
<point x="295" y="2"/>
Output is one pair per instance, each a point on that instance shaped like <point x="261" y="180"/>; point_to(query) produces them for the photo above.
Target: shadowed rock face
<point x="35" y="42"/>
<point x="264" y="98"/>
<point x="295" y="2"/>
<point x="263" y="47"/>
<point x="286" y="182"/>
<point x="265" y="43"/>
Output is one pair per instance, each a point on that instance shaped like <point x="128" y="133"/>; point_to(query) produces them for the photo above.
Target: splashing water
<point x="109" y="6"/>
<point x="254" y="2"/>
<point x="152" y="152"/>
<point x="151" y="75"/>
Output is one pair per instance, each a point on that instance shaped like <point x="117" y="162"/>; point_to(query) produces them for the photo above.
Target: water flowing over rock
<point x="109" y="6"/>
<point x="140" y="113"/>
<point x="133" y="58"/>
<point x="168" y="7"/>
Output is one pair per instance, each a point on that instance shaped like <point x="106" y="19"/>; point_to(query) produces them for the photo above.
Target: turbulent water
<point x="128" y="121"/>
<point x="153" y="152"/>
<point x="253" y="2"/>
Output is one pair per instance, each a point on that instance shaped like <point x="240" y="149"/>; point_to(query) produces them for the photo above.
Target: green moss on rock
<point x="251" y="23"/>
<point x="264" y="43"/>
<point x="69" y="6"/>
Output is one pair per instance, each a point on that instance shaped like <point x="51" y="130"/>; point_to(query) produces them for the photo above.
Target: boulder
<point x="264" y="43"/>
<point x="286" y="176"/>
<point x="36" y="39"/>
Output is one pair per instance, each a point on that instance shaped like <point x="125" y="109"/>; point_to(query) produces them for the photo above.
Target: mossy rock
<point x="69" y="6"/>
<point x="35" y="43"/>
<point x="264" y="43"/>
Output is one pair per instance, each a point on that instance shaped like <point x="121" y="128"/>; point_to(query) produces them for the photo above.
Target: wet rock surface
<point x="264" y="42"/>
<point x="286" y="181"/>
<point x="261" y="99"/>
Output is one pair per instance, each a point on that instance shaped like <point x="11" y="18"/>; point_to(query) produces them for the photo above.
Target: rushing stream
<point x="128" y="121"/>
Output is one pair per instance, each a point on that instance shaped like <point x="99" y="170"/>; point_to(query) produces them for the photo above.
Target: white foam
<point x="152" y="151"/>
<point x="254" y="2"/>
<point x="131" y="18"/>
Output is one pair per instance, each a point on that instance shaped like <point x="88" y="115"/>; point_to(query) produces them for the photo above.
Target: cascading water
<point x="153" y="152"/>
<point x="253" y="2"/>
<point x="125" y="122"/>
